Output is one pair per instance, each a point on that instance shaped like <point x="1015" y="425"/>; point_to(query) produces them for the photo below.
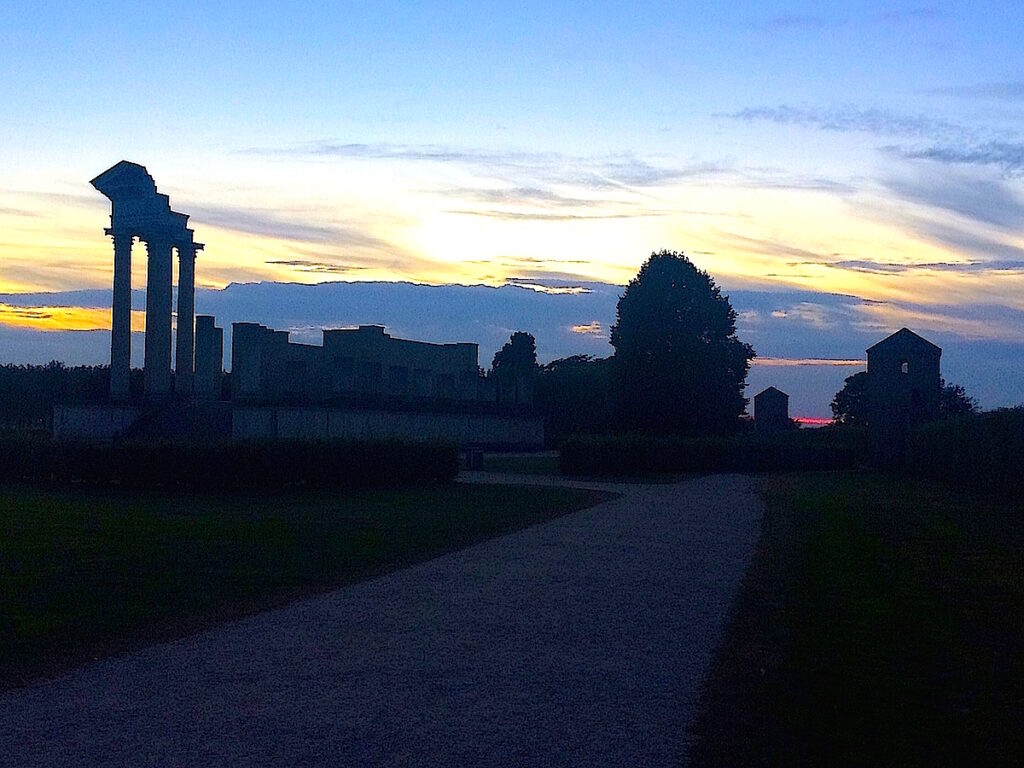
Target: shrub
<point x="234" y="465"/>
<point x="637" y="454"/>
<point x="984" y="450"/>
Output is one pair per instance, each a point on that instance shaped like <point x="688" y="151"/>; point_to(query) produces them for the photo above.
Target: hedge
<point x="636" y="454"/>
<point x="983" y="450"/>
<point x="233" y="465"/>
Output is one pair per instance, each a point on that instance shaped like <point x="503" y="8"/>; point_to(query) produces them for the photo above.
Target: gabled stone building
<point x="903" y="379"/>
<point x="904" y="389"/>
<point x="771" y="411"/>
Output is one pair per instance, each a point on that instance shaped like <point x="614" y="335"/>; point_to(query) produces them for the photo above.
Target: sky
<point x="847" y="169"/>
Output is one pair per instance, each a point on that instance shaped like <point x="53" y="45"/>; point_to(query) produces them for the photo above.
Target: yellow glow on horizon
<point x="64" y="318"/>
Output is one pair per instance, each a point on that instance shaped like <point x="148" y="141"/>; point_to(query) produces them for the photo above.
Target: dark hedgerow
<point x="234" y="465"/>
<point x="638" y="454"/>
<point x="984" y="450"/>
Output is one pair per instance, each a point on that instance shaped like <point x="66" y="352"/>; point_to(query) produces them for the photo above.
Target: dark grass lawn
<point x="86" y="573"/>
<point x="522" y="463"/>
<point x="882" y="623"/>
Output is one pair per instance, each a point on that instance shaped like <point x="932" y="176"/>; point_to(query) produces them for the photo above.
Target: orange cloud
<point x="790" y="362"/>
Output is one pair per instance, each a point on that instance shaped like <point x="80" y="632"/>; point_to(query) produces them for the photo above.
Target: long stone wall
<point x="298" y="423"/>
<point x="106" y="422"/>
<point x="93" y="422"/>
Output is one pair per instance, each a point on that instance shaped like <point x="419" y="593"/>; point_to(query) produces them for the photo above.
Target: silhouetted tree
<point x="513" y="369"/>
<point x="850" y="404"/>
<point x="679" y="366"/>
<point x="954" y="401"/>
<point x="29" y="392"/>
<point x="574" y="395"/>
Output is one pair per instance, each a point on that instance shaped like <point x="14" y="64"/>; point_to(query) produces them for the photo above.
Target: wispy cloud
<point x="897" y="268"/>
<point x="850" y="119"/>
<point x="621" y="170"/>
<point x="1008" y="156"/>
<point x="542" y="216"/>
<point x="319" y="267"/>
<point x="299" y="226"/>
<point x="970" y="195"/>
<point x="1008" y="91"/>
<point x="797" y="362"/>
<point x="809" y="313"/>
<point x="592" y="329"/>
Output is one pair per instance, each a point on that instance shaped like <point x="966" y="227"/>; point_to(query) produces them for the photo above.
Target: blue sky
<point x="871" y="150"/>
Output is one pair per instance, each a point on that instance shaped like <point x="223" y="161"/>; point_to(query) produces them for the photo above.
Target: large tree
<point x="679" y="366"/>
<point x="850" y="405"/>
<point x="513" y="369"/>
<point x="574" y="396"/>
<point x="954" y="401"/>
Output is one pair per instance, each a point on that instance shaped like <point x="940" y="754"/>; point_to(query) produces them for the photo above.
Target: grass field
<point x="85" y="574"/>
<point x="522" y="463"/>
<point x="882" y="623"/>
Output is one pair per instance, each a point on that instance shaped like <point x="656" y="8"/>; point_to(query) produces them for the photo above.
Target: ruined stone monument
<point x="137" y="210"/>
<point x="904" y="388"/>
<point x="771" y="411"/>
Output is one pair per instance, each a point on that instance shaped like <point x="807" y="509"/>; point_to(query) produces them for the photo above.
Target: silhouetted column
<point x="157" y="372"/>
<point x="121" y="319"/>
<point x="184" y="360"/>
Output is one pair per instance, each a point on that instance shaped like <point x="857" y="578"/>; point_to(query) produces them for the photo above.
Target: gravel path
<point x="582" y="641"/>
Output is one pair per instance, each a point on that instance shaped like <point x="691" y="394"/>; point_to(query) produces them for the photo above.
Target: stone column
<point x="185" y="351"/>
<point x="121" y="319"/>
<point x="157" y="372"/>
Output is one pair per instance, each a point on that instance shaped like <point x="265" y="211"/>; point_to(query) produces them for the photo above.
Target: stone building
<point x="771" y="411"/>
<point x="903" y="380"/>
<point x="904" y="389"/>
<point x="363" y="363"/>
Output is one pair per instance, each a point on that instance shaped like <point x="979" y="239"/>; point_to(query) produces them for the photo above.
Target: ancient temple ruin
<point x="137" y="210"/>
<point x="361" y="384"/>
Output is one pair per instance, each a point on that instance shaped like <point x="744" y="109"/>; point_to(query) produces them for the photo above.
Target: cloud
<point x="850" y="119"/>
<point x="896" y="268"/>
<point x="981" y="322"/>
<point x="970" y="195"/>
<point x="1008" y="156"/>
<point x="1009" y="91"/>
<point x="796" y="362"/>
<point x="807" y="312"/>
<point x="592" y="328"/>
<point x="522" y="168"/>
<point x="22" y="212"/>
<point x="548" y="286"/>
<point x="541" y="216"/>
<point x="985" y="251"/>
<point x="295" y="225"/>
<point x="774" y="248"/>
<point x="521" y="196"/>
<point x="308" y="265"/>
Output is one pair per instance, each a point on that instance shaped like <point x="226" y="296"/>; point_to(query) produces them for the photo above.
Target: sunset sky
<point x="869" y="150"/>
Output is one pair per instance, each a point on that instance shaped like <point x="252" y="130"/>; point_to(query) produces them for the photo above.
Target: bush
<point x="638" y="454"/>
<point x="234" y="465"/>
<point x="983" y="450"/>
